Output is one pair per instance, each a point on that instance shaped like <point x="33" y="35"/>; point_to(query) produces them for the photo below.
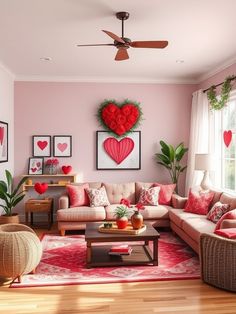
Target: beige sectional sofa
<point x="187" y="225"/>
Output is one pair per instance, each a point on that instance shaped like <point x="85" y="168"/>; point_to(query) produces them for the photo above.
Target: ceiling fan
<point x="122" y="43"/>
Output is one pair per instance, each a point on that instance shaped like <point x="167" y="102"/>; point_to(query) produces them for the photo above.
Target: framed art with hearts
<point x="3" y="141"/>
<point x="118" y="153"/>
<point x="62" y="146"/>
<point x="41" y="145"/>
<point x="35" y="166"/>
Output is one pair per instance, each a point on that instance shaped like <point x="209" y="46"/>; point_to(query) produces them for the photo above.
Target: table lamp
<point x="203" y="162"/>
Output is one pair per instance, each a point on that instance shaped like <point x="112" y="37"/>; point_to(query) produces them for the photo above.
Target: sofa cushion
<point x="78" y="195"/>
<point x="194" y="227"/>
<point x="149" y="196"/>
<point x="199" y="202"/>
<point x="217" y="211"/>
<point x="139" y="186"/>
<point x="165" y="194"/>
<point x="117" y="191"/>
<point x="178" y="216"/>
<point x="150" y="212"/>
<point x="228" y="199"/>
<point x="82" y="213"/>
<point x="97" y="197"/>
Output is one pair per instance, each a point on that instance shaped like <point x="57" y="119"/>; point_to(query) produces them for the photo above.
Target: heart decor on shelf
<point x="118" y="150"/>
<point x="66" y="169"/>
<point x="40" y="187"/>
<point x="119" y="119"/>
<point x="227" y="135"/>
<point x="42" y="144"/>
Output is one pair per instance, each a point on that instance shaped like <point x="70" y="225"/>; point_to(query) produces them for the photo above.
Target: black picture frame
<point x="106" y="160"/>
<point x="62" y="146"/>
<point x="35" y="165"/>
<point x="41" y="145"/>
<point x="3" y="141"/>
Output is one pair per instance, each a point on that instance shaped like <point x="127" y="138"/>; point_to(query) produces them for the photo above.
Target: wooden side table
<point x="33" y="205"/>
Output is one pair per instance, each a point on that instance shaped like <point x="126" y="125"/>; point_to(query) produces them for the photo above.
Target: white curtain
<point x="199" y="137"/>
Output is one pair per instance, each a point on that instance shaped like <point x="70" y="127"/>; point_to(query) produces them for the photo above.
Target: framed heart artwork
<point x="62" y="146"/>
<point x="118" y="153"/>
<point x="35" y="166"/>
<point x="41" y="145"/>
<point x="3" y="141"/>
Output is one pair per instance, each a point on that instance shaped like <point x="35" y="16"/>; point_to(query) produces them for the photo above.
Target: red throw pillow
<point x="227" y="233"/>
<point x="165" y="194"/>
<point x="217" y="211"/>
<point x="77" y="195"/>
<point x="198" y="202"/>
<point x="229" y="215"/>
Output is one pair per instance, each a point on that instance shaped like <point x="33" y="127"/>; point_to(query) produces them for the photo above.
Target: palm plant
<point x="10" y="195"/>
<point x="121" y="211"/>
<point x="170" y="159"/>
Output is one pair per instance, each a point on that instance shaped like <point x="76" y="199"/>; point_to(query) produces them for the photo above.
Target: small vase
<point x="136" y="220"/>
<point x="52" y="169"/>
<point x="122" y="222"/>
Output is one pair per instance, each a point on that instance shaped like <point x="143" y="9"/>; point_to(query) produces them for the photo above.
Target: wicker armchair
<point x="218" y="261"/>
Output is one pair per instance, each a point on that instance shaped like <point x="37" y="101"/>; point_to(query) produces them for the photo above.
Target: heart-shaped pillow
<point x="40" y="187"/>
<point x="66" y="169"/>
<point x="119" y="119"/>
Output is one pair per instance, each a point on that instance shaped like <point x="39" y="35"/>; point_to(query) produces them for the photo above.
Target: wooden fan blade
<point x="95" y="45"/>
<point x="114" y="36"/>
<point x="149" y="44"/>
<point x="122" y="54"/>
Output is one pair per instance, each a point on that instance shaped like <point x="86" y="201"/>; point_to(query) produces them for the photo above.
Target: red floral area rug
<point x="63" y="263"/>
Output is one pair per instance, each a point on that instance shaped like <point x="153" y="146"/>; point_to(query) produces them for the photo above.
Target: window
<point x="223" y="121"/>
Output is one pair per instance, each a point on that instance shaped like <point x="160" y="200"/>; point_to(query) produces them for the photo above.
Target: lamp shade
<point x="203" y="162"/>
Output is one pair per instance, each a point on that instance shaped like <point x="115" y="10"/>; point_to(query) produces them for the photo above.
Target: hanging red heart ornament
<point x="119" y="119"/>
<point x="227" y="135"/>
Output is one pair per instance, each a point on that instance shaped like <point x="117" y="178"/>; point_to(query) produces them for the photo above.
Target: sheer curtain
<point x="199" y="137"/>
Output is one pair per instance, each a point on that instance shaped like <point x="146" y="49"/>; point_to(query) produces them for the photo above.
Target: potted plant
<point x="11" y="197"/>
<point x="170" y="159"/>
<point x="121" y="214"/>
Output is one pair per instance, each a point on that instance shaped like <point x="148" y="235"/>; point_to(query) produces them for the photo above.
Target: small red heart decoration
<point x="118" y="150"/>
<point x="42" y="144"/>
<point x="66" y="169"/>
<point x="40" y="187"/>
<point x="227" y="137"/>
<point x="119" y="118"/>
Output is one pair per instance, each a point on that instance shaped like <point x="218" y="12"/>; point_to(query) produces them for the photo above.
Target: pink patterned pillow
<point x="217" y="211"/>
<point x="229" y="215"/>
<point x="165" y="194"/>
<point x="77" y="195"/>
<point x="98" y="197"/>
<point x="149" y="196"/>
<point x="198" y="202"/>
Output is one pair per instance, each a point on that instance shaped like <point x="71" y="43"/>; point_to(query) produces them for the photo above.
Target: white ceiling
<point x="200" y="32"/>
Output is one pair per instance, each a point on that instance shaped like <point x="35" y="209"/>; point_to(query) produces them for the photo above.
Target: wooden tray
<point x="128" y="230"/>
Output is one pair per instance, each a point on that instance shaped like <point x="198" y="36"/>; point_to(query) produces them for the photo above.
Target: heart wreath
<point x="119" y="119"/>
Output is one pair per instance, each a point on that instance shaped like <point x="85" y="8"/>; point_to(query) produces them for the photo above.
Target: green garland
<point x="126" y="101"/>
<point x="224" y="96"/>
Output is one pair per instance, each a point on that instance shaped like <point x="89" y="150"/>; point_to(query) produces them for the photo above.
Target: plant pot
<point x="136" y="220"/>
<point x="13" y="219"/>
<point x="122" y="222"/>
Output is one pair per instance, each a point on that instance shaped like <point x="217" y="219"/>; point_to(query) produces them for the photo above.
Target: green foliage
<point x="10" y="195"/>
<point x="121" y="211"/>
<point x="170" y="159"/>
<point x="216" y="104"/>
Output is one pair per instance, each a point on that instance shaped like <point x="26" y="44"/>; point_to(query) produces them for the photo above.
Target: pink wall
<point x="70" y="108"/>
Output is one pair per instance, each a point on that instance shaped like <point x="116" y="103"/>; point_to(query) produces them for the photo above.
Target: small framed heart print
<point x="35" y="166"/>
<point x="41" y="145"/>
<point x="62" y="146"/>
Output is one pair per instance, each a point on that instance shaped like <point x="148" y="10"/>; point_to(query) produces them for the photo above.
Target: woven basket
<point x="20" y="250"/>
<point x="218" y="261"/>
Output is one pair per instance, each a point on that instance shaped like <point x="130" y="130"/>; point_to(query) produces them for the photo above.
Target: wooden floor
<point x="185" y="296"/>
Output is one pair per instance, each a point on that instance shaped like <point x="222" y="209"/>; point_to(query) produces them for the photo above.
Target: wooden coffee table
<point x="97" y="255"/>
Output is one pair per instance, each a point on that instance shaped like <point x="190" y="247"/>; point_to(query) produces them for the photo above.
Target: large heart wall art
<point x="119" y="118"/>
<point x="227" y="136"/>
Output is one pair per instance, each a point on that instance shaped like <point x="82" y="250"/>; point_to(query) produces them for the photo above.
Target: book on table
<point x="120" y="250"/>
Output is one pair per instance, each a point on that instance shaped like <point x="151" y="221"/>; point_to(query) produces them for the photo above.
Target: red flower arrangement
<point x="119" y="119"/>
<point x="126" y="202"/>
<point x="50" y="162"/>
